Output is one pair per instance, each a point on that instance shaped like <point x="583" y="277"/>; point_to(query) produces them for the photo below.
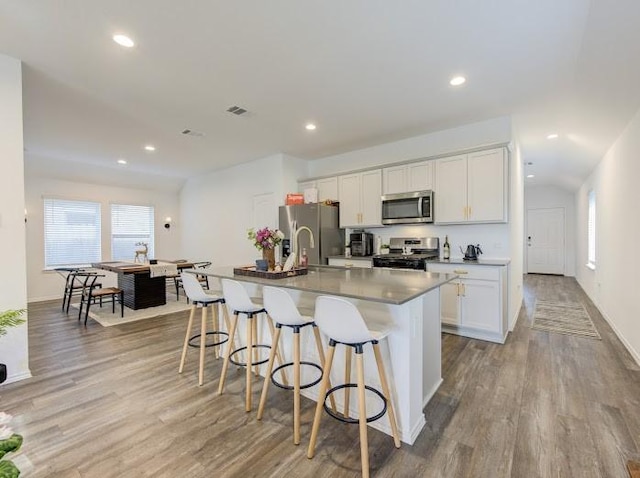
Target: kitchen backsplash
<point x="493" y="238"/>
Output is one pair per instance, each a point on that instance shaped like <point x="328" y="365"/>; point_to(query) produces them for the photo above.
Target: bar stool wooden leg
<point x="387" y="395"/>
<point x="203" y="339"/>
<point x="256" y="356"/>
<point x="347" y="379"/>
<point x="250" y="328"/>
<point x="215" y="323"/>
<point x="225" y="365"/>
<point x="296" y="386"/>
<point x="321" y="398"/>
<point x="283" y="374"/>
<point x="362" y="416"/>
<point x="186" y="339"/>
<point x="267" y="377"/>
<point x="316" y="334"/>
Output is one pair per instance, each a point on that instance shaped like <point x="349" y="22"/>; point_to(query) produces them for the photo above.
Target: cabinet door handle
<point x="469" y="213"/>
<point x="458" y="289"/>
<point x="460" y="271"/>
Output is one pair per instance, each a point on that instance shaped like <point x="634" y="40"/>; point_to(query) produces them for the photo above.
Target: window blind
<point x="71" y="233"/>
<point x="592" y="229"/>
<point x="131" y="225"/>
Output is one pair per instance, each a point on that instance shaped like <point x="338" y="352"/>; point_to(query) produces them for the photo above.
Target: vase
<point x="269" y="255"/>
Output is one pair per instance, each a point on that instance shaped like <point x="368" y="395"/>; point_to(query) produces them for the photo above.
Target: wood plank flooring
<point x="108" y="402"/>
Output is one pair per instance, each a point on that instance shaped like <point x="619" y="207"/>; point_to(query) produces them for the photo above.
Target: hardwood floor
<point x="108" y="402"/>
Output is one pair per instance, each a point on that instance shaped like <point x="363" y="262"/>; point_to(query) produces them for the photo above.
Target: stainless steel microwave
<point x="407" y="208"/>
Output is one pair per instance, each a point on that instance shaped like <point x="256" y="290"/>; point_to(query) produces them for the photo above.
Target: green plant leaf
<point x="10" y="318"/>
<point x="13" y="443"/>
<point x="8" y="469"/>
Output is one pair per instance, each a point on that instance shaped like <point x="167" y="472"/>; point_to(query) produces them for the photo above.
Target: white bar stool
<point x="238" y="300"/>
<point x="341" y="321"/>
<point x="198" y="297"/>
<point x="281" y="308"/>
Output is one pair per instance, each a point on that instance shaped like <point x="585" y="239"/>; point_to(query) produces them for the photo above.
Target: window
<point x="129" y="226"/>
<point x="591" y="228"/>
<point x="71" y="233"/>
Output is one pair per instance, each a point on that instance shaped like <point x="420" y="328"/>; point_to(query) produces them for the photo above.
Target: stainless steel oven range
<point x="409" y="253"/>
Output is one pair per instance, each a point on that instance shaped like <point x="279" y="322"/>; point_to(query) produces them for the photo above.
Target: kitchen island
<point x="408" y="301"/>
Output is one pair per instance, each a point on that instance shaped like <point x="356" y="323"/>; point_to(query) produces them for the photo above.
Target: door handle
<point x="460" y="271"/>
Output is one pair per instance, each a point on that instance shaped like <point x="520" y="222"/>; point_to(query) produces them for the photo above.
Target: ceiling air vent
<point x="190" y="132"/>
<point x="236" y="110"/>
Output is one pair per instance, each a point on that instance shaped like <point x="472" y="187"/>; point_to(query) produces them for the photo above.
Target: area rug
<point x="568" y="318"/>
<point x="105" y="318"/>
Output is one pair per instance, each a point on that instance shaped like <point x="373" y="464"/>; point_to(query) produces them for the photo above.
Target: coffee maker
<point x="361" y="244"/>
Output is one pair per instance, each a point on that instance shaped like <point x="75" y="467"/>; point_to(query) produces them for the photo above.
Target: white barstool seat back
<point x="281" y="308"/>
<point x="341" y="320"/>
<point x="237" y="298"/>
<point x="195" y="292"/>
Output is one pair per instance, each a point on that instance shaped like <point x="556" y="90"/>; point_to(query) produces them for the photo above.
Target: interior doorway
<point x="545" y="241"/>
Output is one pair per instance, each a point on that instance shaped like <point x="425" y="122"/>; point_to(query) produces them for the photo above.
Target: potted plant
<point x="9" y="442"/>
<point x="384" y="248"/>
<point x="8" y="318"/>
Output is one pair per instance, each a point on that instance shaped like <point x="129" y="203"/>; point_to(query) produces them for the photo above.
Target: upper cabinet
<point x="471" y="188"/>
<point x="360" y="204"/>
<point x="408" y="177"/>
<point x="327" y="188"/>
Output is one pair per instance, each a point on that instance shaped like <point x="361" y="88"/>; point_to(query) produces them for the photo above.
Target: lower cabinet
<point x="350" y="262"/>
<point x="475" y="304"/>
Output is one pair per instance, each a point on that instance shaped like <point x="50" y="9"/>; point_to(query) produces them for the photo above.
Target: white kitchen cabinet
<point x="471" y="188"/>
<point x="327" y="188"/>
<point x="360" y="204"/>
<point x="351" y="262"/>
<point x="475" y="304"/>
<point x="408" y="177"/>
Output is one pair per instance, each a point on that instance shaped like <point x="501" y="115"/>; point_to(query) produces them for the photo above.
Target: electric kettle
<point x="472" y="252"/>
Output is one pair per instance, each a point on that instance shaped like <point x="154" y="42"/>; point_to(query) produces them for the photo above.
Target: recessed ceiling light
<point x="150" y="147"/>
<point x="310" y="126"/>
<point x="122" y="161"/>
<point x="552" y="136"/>
<point x="457" y="80"/>
<point x="123" y="40"/>
<point x="531" y="176"/>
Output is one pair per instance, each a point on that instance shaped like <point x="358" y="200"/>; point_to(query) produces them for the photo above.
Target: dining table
<point x="143" y="288"/>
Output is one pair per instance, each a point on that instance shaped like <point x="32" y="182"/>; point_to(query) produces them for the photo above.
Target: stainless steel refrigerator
<point x="324" y="222"/>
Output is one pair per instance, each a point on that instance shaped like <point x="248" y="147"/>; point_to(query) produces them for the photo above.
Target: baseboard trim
<point x="44" y="299"/>
<point x="17" y="377"/>
<point x="633" y="352"/>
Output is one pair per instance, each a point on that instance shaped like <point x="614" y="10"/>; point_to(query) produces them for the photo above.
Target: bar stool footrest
<point x="244" y="364"/>
<point x="355" y="420"/>
<point x="192" y="342"/>
<point x="291" y="387"/>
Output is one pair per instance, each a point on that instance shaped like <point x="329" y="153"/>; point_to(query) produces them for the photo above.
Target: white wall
<point x="47" y="284"/>
<point x="13" y="289"/>
<point x="218" y="208"/>
<point x="469" y="136"/>
<point x="516" y="235"/>
<point x="613" y="286"/>
<point x="542" y="197"/>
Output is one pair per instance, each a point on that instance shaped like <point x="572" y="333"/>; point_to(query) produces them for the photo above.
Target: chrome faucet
<point x="296" y="256"/>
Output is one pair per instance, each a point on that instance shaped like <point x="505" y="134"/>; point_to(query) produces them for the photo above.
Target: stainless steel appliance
<point x="361" y="244"/>
<point x="409" y="253"/>
<point x="324" y="223"/>
<point x="407" y="208"/>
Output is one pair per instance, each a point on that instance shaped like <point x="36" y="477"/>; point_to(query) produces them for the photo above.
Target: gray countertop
<point x="389" y="286"/>
<point x="356" y="258"/>
<point x="479" y="262"/>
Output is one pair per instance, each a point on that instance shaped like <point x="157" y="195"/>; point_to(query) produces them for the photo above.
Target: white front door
<point x="545" y="241"/>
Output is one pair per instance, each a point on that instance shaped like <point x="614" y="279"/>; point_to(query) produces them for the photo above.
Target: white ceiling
<point x="366" y="71"/>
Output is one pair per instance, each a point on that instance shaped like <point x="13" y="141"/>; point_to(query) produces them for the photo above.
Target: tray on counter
<point x="252" y="272"/>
